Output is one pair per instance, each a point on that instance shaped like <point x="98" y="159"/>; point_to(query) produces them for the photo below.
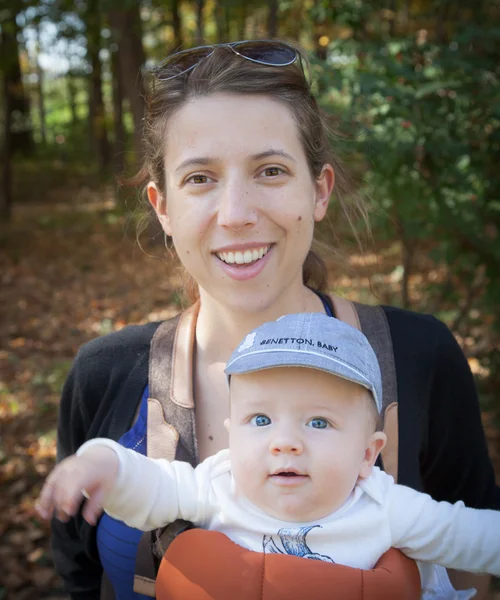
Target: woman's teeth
<point x="243" y="258"/>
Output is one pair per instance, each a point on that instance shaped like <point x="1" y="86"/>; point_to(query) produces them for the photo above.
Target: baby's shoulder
<point x="216" y="465"/>
<point x="378" y="485"/>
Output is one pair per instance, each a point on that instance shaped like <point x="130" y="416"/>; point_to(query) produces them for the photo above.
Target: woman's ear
<point x="375" y="445"/>
<point x="159" y="204"/>
<point x="324" y="187"/>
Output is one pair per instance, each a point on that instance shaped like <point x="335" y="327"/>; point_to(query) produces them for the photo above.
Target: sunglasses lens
<point x="267" y="53"/>
<point x="181" y="62"/>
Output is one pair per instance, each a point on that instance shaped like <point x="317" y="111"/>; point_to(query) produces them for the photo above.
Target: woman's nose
<point x="236" y="208"/>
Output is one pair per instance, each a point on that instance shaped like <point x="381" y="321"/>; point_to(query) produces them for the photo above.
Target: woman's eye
<point x="318" y="423"/>
<point x="272" y="171"/>
<point x="260" y="420"/>
<point x="198" y="179"/>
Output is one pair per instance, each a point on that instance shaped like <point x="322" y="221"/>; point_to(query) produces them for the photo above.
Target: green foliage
<point x="428" y="123"/>
<point x="344" y="13"/>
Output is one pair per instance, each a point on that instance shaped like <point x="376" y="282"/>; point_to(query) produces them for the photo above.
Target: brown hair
<point x="226" y="72"/>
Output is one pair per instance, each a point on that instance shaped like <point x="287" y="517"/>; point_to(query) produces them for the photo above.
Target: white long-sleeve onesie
<point x="378" y="515"/>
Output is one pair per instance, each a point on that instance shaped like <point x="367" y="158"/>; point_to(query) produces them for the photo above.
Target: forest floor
<point x="72" y="270"/>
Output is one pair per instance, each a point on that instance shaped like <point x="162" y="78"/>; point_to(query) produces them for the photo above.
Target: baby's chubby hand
<point x="89" y="475"/>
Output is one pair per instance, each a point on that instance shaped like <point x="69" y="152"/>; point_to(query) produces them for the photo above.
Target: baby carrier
<point x="206" y="565"/>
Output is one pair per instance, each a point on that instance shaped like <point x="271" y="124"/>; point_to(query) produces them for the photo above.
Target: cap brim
<point x="270" y="358"/>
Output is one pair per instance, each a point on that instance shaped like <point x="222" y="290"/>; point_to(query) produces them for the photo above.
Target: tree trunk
<point x="392" y="6"/>
<point x="6" y="156"/>
<point x="126" y="26"/>
<point x="199" y="22"/>
<point x="243" y="21"/>
<point x="119" y="129"/>
<point x="70" y="80"/>
<point x="220" y="23"/>
<point x="40" y="95"/>
<point x="98" y="131"/>
<point x="21" y="128"/>
<point x="442" y="19"/>
<point x="293" y="23"/>
<point x="318" y="32"/>
<point x="404" y="17"/>
<point x="177" y="25"/>
<point x="272" y="19"/>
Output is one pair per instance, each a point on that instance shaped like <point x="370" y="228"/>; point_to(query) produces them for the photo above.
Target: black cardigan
<point x="442" y="448"/>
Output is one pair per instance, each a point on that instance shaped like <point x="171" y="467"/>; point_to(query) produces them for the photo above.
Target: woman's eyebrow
<point x="202" y="161"/>
<point x="272" y="152"/>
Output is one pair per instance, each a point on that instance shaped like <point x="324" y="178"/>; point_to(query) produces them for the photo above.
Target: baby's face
<point x="299" y="440"/>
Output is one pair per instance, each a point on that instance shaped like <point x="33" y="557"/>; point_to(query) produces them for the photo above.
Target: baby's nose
<point x="286" y="444"/>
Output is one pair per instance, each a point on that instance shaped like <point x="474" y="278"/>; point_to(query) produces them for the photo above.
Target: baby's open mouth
<point x="288" y="477"/>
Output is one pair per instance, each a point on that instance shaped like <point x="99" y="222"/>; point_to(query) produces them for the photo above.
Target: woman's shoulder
<point x="110" y="361"/>
<point x="419" y="329"/>
<point x="401" y="317"/>
<point x="423" y="343"/>
<point x="132" y="340"/>
<point x="108" y="371"/>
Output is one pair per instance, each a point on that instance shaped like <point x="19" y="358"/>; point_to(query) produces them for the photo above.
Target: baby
<point x="299" y="476"/>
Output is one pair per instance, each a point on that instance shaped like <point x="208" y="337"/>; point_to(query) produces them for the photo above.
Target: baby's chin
<point x="296" y="512"/>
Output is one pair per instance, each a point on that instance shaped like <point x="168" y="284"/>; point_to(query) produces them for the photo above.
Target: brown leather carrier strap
<point x="374" y="325"/>
<point x="170" y="434"/>
<point x="371" y="320"/>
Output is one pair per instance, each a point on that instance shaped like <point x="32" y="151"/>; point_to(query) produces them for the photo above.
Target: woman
<point x="238" y="169"/>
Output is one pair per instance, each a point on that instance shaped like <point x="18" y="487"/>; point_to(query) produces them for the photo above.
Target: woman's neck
<point x="219" y="329"/>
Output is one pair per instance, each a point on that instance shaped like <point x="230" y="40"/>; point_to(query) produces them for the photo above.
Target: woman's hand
<point x="89" y="476"/>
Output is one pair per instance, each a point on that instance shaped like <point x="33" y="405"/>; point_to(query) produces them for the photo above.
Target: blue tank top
<point x="116" y="542"/>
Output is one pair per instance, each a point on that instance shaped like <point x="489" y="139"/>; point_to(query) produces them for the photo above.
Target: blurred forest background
<point x="414" y="88"/>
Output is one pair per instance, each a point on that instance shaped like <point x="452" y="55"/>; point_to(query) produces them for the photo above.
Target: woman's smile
<point x="243" y="256"/>
<point x="244" y="265"/>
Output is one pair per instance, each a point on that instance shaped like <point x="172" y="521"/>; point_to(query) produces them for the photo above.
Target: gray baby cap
<point x="311" y="340"/>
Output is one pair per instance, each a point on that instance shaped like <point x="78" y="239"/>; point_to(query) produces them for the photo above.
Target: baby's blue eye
<point x="318" y="423"/>
<point x="261" y="420"/>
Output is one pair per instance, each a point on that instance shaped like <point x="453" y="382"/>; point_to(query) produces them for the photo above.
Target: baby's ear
<point x="227" y="424"/>
<point x="376" y="443"/>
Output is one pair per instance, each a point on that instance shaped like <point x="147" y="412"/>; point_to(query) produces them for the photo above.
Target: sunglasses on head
<point x="262" y="52"/>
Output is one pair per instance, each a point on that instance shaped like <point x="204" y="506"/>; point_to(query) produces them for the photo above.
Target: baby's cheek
<point x="246" y="474"/>
<point x="238" y="469"/>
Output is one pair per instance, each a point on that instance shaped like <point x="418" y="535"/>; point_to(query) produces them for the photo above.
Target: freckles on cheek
<point x="299" y="218"/>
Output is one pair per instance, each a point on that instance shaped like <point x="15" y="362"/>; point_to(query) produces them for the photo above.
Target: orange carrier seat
<point x="207" y="565"/>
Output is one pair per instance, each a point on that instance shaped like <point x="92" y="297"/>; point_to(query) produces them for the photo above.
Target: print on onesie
<point x="436" y="584"/>
<point x="294" y="543"/>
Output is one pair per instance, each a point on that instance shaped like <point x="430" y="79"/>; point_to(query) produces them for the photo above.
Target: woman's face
<point x="240" y="202"/>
